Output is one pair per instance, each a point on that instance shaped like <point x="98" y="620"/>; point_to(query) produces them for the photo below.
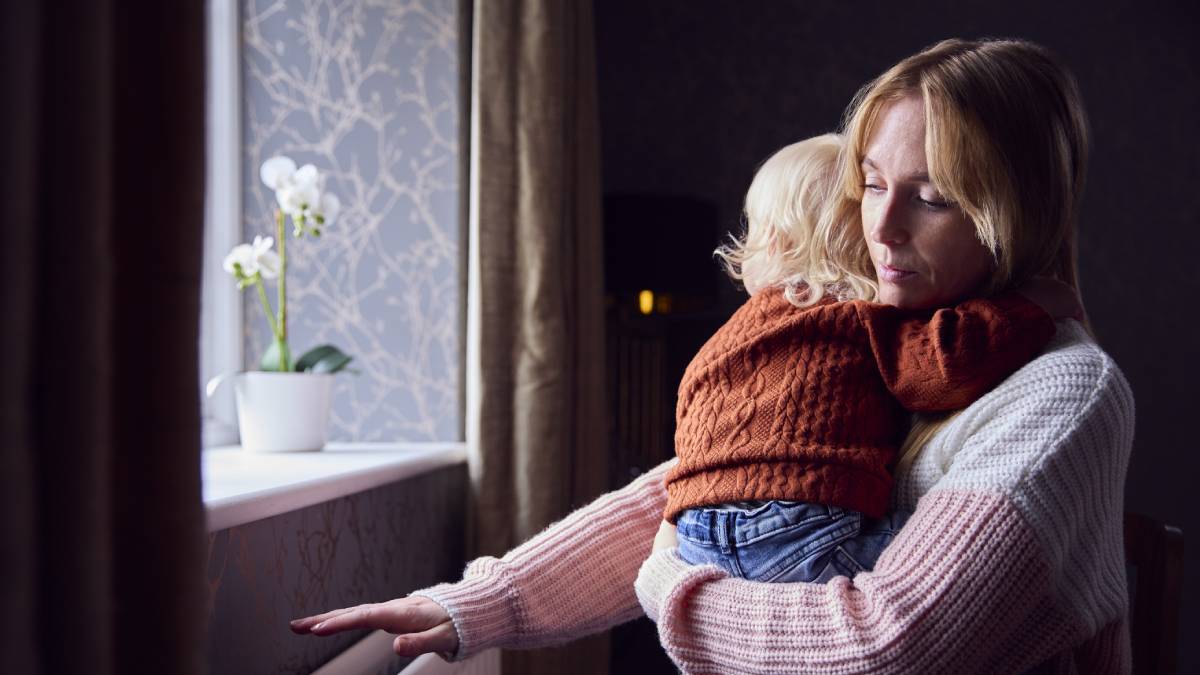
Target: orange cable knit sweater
<point x="809" y="404"/>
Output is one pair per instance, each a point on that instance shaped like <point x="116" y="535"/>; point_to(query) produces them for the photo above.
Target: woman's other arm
<point x="1012" y="559"/>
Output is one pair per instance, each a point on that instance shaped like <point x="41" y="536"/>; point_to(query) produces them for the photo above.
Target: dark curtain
<point x="100" y="256"/>
<point x="536" y="424"/>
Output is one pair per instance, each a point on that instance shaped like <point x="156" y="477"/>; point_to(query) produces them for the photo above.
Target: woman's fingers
<point x="421" y="624"/>
<point x="665" y="538"/>
<point x="440" y="638"/>
<point x="403" y="615"/>
<point x="302" y="626"/>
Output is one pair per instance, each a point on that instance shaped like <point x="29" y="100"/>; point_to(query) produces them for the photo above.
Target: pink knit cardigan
<point x="1012" y="560"/>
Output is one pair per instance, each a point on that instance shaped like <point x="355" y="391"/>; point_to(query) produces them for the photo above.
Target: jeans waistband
<point x="708" y="526"/>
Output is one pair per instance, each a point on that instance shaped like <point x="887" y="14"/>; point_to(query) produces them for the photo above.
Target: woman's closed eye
<point x="935" y="203"/>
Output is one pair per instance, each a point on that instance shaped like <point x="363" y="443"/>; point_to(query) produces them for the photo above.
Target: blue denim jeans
<point x="786" y="541"/>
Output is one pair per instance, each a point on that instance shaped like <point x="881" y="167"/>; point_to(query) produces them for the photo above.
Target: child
<point x="789" y="417"/>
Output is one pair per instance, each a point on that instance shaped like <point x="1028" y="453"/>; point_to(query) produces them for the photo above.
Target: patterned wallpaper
<point x="367" y="547"/>
<point x="367" y="90"/>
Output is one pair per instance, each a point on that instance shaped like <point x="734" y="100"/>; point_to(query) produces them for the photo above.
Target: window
<point x="369" y="93"/>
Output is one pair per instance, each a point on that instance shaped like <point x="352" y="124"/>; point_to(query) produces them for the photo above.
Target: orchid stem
<point x="262" y="295"/>
<point x="282" y="332"/>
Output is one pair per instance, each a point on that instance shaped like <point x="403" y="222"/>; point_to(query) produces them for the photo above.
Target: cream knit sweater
<point x="1012" y="560"/>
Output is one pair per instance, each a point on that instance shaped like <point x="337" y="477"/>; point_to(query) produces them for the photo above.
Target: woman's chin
<point x="889" y="294"/>
<point x="906" y="297"/>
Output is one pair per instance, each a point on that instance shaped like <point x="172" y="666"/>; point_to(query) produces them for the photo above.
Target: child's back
<point x="789" y="417"/>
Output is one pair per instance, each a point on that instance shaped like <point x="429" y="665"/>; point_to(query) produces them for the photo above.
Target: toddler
<point x="789" y="417"/>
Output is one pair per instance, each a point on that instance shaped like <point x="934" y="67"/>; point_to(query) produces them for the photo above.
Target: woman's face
<point x="924" y="249"/>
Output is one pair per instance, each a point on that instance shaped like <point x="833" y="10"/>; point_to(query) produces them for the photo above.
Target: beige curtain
<point x="103" y="183"/>
<point x="535" y="402"/>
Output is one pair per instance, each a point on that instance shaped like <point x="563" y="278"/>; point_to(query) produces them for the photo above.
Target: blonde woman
<point x="789" y="415"/>
<point x="965" y="164"/>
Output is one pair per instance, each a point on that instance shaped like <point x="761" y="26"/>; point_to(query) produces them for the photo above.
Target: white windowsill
<point x="241" y="487"/>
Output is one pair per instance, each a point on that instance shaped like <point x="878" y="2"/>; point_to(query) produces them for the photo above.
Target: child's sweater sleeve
<point x="947" y="361"/>
<point x="573" y="579"/>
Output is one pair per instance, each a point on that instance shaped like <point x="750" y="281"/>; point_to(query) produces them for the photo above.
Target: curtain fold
<point x="103" y="184"/>
<point x="536" y="422"/>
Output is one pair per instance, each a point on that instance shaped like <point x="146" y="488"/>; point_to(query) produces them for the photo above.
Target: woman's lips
<point x="894" y="274"/>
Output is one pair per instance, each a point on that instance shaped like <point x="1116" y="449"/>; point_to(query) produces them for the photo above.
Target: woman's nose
<point x="890" y="226"/>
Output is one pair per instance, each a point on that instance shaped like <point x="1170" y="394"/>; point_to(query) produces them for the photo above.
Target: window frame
<point x="221" y="346"/>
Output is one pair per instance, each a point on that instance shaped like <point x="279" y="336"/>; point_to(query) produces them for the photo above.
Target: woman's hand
<point x="420" y="624"/>
<point x="1058" y="299"/>
<point x="665" y="538"/>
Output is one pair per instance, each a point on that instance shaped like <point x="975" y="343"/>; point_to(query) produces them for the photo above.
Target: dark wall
<point x="381" y="543"/>
<point x="694" y="95"/>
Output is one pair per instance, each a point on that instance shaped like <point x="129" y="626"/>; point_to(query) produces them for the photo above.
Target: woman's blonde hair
<point x="1006" y="139"/>
<point x="794" y="196"/>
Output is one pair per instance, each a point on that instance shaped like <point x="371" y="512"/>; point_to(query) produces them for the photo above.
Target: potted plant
<point x="284" y="406"/>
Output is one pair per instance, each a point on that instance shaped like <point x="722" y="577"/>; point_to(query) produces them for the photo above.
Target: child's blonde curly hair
<point x="793" y="208"/>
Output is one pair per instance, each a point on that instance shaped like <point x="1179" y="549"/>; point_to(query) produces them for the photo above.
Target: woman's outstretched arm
<point x="1014" y="557"/>
<point x="573" y="579"/>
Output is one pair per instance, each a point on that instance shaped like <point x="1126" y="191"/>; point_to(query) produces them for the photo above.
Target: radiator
<point x="640" y="405"/>
<point x="486" y="663"/>
<point x="373" y="655"/>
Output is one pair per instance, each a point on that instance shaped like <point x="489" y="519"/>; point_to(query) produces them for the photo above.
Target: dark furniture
<point x="1154" y="561"/>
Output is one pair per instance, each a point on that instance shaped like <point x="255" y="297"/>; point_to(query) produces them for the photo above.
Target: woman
<point x="966" y="164"/>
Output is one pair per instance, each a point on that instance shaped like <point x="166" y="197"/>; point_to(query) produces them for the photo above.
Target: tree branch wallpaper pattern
<point x="370" y="546"/>
<point x="367" y="90"/>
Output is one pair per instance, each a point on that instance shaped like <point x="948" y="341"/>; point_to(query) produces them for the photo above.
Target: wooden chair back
<point x="1154" y="562"/>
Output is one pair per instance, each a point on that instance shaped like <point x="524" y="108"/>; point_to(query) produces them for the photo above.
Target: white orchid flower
<point x="306" y="175"/>
<point x="254" y="259"/>
<point x="277" y="172"/>
<point x="242" y="255"/>
<point x="298" y="199"/>
<point x="266" y="259"/>
<point x="299" y="195"/>
<point x="330" y="207"/>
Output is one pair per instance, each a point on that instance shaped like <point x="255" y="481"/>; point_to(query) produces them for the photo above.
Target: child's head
<point x="790" y="204"/>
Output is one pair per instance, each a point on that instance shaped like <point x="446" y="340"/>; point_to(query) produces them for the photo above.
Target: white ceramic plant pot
<point x="283" y="412"/>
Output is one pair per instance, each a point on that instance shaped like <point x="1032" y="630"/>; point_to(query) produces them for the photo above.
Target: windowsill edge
<point x="242" y="487"/>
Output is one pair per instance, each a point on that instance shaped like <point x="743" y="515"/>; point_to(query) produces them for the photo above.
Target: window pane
<point x="368" y="93"/>
<point x="221" y="326"/>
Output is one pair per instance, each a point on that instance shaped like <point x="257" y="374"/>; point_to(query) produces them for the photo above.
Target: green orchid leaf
<point x="277" y="358"/>
<point x="332" y="364"/>
<point x="270" y="358"/>
<point x="323" y="359"/>
<point x="312" y="356"/>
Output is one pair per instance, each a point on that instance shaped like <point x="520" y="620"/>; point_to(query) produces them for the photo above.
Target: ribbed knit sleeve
<point x="961" y="577"/>
<point x="573" y="579"/>
<point x="946" y="361"/>
<point x="1012" y="559"/>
